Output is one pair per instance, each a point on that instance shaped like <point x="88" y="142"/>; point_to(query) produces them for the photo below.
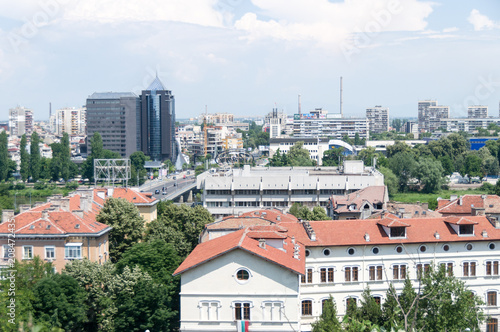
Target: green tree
<point x="430" y="174"/>
<point x="391" y="317"/>
<point x="35" y="159"/>
<point x="367" y="155"/>
<point x="447" y="164"/>
<point x="65" y="157"/>
<point x="25" y="159"/>
<point x="137" y="170"/>
<point x="127" y="223"/>
<point x="299" y="156"/>
<point x="179" y="225"/>
<point x="370" y="310"/>
<point x="403" y="164"/>
<point x="390" y="180"/>
<point x="4" y="156"/>
<point x="319" y="213"/>
<point x="59" y="301"/>
<point x="97" y="152"/>
<point x="333" y="156"/>
<point x="473" y="165"/>
<point x="396" y="148"/>
<point x="328" y="321"/>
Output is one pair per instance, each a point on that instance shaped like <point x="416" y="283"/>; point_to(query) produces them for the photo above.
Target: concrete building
<point x="276" y="122"/>
<point x="430" y="115"/>
<point x="318" y="123"/>
<point x="342" y="258"/>
<point x="69" y="120"/>
<point x="316" y="146"/>
<point x="477" y="112"/>
<point x="378" y="118"/>
<point x="468" y="125"/>
<point x="217" y="118"/>
<point x="20" y="121"/>
<point x="156" y="124"/>
<point x="114" y="115"/>
<point x="243" y="190"/>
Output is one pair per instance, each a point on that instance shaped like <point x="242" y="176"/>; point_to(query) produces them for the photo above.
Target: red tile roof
<point x="240" y="240"/>
<point x="273" y="215"/>
<point x="459" y="221"/>
<point x="131" y="195"/>
<point x="352" y="232"/>
<point x="464" y="204"/>
<point x="371" y="194"/>
<point x="54" y="222"/>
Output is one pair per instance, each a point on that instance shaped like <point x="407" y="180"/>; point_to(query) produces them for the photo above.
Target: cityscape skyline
<point x="247" y="57"/>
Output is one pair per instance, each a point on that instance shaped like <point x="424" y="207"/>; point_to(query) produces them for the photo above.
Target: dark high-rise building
<point x="115" y="116"/>
<point x="157" y="122"/>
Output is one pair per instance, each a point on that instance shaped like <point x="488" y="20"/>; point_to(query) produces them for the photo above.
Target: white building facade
<point x="378" y="118"/>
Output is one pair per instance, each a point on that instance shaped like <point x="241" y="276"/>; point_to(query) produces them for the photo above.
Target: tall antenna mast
<point x="341" y="110"/>
<point x="299" y="106"/>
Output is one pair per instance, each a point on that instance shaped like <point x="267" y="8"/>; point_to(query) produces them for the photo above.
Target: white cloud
<point x="448" y="30"/>
<point x="326" y="22"/>
<point x="481" y="22"/>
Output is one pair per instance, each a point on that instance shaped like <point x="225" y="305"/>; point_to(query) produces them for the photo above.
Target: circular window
<point x="469" y="246"/>
<point x="351" y="251"/>
<point x="242" y="275"/>
<point x="399" y="249"/>
<point x="308" y="252"/>
<point x="423" y="248"/>
<point x="375" y="250"/>
<point x="491" y="246"/>
<point x="446" y="247"/>
<point x="326" y="252"/>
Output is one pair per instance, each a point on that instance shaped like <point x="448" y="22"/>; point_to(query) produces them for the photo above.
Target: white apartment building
<point x="467" y="124"/>
<point x="20" y="121"/>
<point x="477" y="112"/>
<point x="316" y="146"/>
<point x="378" y="118"/>
<point x="229" y="274"/>
<point x="430" y="115"/>
<point x="319" y="123"/>
<point x="276" y="121"/>
<point x="69" y="120"/>
<point x="242" y="190"/>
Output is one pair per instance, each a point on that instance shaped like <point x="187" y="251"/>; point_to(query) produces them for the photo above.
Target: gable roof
<point x="131" y="195"/>
<point x="357" y="199"/>
<point x="240" y="240"/>
<point x="465" y="204"/>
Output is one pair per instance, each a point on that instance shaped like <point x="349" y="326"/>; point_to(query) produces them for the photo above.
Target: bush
<point x="19" y="186"/>
<point x="71" y="185"/>
<point x="40" y="185"/>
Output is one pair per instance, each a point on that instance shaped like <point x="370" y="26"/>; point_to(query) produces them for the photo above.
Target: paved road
<point x="170" y="185"/>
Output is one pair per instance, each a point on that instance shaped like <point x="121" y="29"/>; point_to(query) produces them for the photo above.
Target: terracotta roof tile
<point x="240" y="240"/>
<point x="464" y="204"/>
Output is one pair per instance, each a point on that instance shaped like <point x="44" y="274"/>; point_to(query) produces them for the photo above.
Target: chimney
<point x="78" y="213"/>
<point x="296" y="251"/>
<point x="45" y="214"/>
<point x="7" y="215"/>
<point x="460" y="201"/>
<point x="262" y="243"/>
<point x="477" y="211"/>
<point x="24" y="208"/>
<point x="65" y="204"/>
<point x="278" y="218"/>
<point x="494" y="221"/>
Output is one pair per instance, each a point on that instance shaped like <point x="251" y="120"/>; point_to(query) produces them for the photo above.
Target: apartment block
<point x="378" y="118"/>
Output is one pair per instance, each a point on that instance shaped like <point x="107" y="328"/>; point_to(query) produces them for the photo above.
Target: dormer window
<point x="466" y="230"/>
<point x="398" y="232"/>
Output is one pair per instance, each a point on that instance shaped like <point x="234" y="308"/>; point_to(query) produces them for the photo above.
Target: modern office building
<point x="156" y="131"/>
<point x="243" y="190"/>
<point x="318" y="123"/>
<point x="115" y="116"/>
<point x="20" y="121"/>
<point x="378" y="118"/>
<point x="69" y="120"/>
<point x="477" y="112"/>
<point x="430" y="115"/>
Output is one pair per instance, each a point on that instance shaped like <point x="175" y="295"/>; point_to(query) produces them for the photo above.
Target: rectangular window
<point x="466" y="229"/>
<point x="491" y="268"/>
<point x="492" y="325"/>
<point x="5" y="253"/>
<point x="73" y="251"/>
<point x="375" y="272"/>
<point x="351" y="273"/>
<point x="399" y="272"/>
<point x="272" y="311"/>
<point x="209" y="310"/>
<point x="306" y="308"/>
<point x="469" y="269"/>
<point x="50" y="252"/>
<point x="308" y="277"/>
<point x="448" y="268"/>
<point x="398" y="232"/>
<point x="242" y="311"/>
<point x="422" y="268"/>
<point x="326" y="274"/>
<point x="492" y="298"/>
<point x="27" y="252"/>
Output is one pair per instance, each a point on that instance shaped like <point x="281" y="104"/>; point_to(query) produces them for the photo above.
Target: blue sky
<point x="245" y="57"/>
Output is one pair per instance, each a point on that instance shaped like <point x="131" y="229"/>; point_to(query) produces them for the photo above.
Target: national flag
<point x="242" y="325"/>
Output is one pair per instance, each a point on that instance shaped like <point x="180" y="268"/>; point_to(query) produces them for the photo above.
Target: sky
<point x="248" y="56"/>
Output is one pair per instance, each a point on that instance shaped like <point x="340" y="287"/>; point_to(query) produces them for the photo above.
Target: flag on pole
<point x="242" y="325"/>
